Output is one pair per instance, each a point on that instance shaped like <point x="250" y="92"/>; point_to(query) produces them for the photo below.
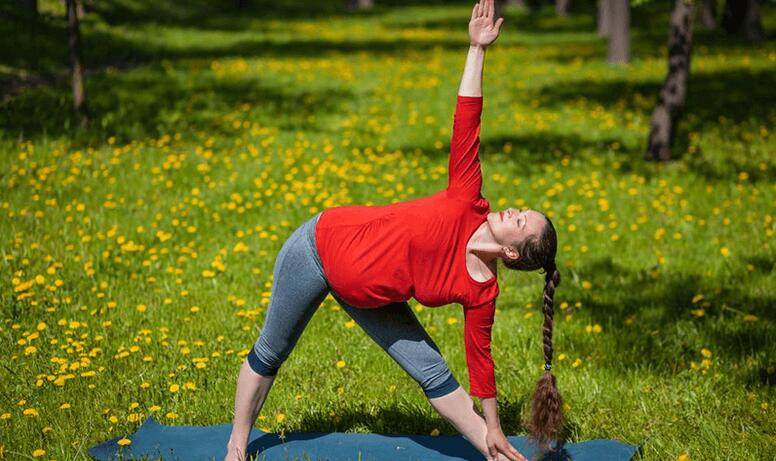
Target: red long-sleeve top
<point x="377" y="255"/>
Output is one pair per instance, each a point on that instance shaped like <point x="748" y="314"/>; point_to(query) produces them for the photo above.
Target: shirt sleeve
<point x="478" y="324"/>
<point x="464" y="173"/>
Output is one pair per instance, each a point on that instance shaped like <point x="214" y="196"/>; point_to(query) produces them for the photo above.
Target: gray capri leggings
<point x="299" y="287"/>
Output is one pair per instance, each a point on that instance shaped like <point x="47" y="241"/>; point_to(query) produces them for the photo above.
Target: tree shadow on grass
<point x="150" y="102"/>
<point x="662" y="318"/>
<point x="719" y="98"/>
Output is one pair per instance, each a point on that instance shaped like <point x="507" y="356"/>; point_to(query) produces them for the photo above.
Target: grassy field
<point x="137" y="254"/>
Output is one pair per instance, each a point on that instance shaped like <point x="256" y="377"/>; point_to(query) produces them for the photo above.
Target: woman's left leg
<point x="397" y="330"/>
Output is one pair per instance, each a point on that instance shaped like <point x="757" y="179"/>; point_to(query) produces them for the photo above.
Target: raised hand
<point x="482" y="30"/>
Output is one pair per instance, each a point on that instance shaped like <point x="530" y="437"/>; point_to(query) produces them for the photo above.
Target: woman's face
<point x="511" y="226"/>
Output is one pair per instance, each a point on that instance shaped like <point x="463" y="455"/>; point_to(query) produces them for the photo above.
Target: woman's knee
<point x="439" y="384"/>
<point x="263" y="360"/>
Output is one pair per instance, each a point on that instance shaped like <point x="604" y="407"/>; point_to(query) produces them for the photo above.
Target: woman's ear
<point x="510" y="252"/>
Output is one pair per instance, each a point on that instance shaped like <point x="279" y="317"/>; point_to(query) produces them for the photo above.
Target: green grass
<point x="214" y="132"/>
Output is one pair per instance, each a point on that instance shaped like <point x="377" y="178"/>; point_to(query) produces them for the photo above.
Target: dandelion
<point x="683" y="457"/>
<point x="174" y="388"/>
<point x="30" y="412"/>
<point x="350" y="324"/>
<point x="171" y="415"/>
<point x="724" y="251"/>
<point x="452" y="320"/>
<point x="38" y="453"/>
<point x="280" y="417"/>
<point x="586" y="285"/>
<point x="341" y="364"/>
<point x="576" y="362"/>
<point x="750" y="318"/>
<point x="706" y="353"/>
<point x="124" y="441"/>
<point x="154" y="408"/>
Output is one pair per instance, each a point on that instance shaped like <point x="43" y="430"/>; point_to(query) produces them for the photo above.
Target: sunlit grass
<point x="137" y="256"/>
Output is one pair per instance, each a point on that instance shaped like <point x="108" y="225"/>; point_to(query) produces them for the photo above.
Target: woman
<point x="439" y="249"/>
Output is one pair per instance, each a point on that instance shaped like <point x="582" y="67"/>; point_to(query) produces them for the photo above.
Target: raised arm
<point x="464" y="173"/>
<point x="482" y="32"/>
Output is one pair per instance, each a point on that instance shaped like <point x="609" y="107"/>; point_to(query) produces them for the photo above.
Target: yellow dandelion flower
<point x="64" y="406"/>
<point x="174" y="388"/>
<point x="5" y="416"/>
<point x="706" y="353"/>
<point x="683" y="457"/>
<point x="350" y="324"/>
<point x="124" y="441"/>
<point x="113" y="419"/>
<point x="750" y="318"/>
<point x="280" y="417"/>
<point x="171" y="415"/>
<point x="724" y="251"/>
<point x="189" y="386"/>
<point x="341" y="364"/>
<point x="562" y="357"/>
<point x="141" y="307"/>
<point x="586" y="285"/>
<point x="41" y="326"/>
<point x="452" y="320"/>
<point x="577" y="362"/>
<point x="38" y="453"/>
<point x="30" y="412"/>
<point x="154" y="408"/>
<point x="208" y="274"/>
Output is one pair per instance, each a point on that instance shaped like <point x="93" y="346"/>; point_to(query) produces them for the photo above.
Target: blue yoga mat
<point x="194" y="443"/>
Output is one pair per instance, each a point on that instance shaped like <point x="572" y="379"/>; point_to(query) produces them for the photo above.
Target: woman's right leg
<point x="299" y="287"/>
<point x="397" y="330"/>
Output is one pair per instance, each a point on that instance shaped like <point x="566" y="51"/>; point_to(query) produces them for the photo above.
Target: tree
<point x="709" y="14"/>
<point x="352" y="5"/>
<point x="604" y="11"/>
<point x="674" y="92"/>
<point x="76" y="62"/>
<point x="562" y="7"/>
<point x="743" y="17"/>
<point x="619" y="32"/>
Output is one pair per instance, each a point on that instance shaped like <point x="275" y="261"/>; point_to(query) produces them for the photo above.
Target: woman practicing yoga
<point x="439" y="249"/>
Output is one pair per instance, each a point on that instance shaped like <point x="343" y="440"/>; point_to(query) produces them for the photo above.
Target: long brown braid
<point x="538" y="252"/>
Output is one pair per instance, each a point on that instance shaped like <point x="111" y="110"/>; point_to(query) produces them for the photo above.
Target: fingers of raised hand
<point x="497" y="26"/>
<point x="476" y="11"/>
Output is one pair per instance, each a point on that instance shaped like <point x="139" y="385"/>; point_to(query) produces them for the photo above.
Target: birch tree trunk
<point x="673" y="95"/>
<point x="76" y="63"/>
<point x="619" y="32"/>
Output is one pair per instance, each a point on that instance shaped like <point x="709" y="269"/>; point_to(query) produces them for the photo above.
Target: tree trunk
<point x="562" y="7"/>
<point x="76" y="63"/>
<point x="752" y="27"/>
<point x="619" y="32"/>
<point x="743" y="16"/>
<point x="709" y="14"/>
<point x="353" y="5"/>
<point x="604" y="12"/>
<point x="674" y="92"/>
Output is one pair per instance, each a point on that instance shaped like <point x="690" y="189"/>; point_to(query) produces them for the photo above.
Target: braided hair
<point x="538" y="252"/>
